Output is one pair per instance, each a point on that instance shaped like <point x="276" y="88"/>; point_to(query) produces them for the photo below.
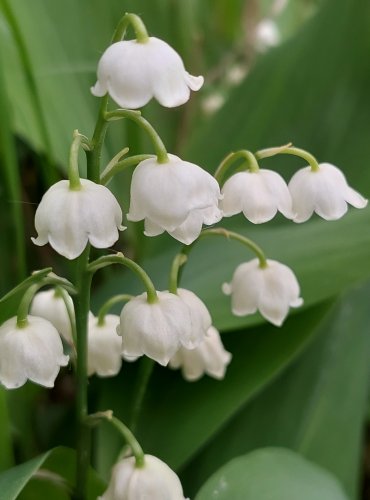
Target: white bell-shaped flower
<point x="104" y="347"/>
<point x="69" y="218"/>
<point x="49" y="305"/>
<point x="157" y="330"/>
<point x="324" y="191"/>
<point x="33" y="352"/>
<point x="271" y="290"/>
<point x="154" y="481"/>
<point x="209" y="357"/>
<point x="200" y="317"/>
<point x="177" y="197"/>
<point x="134" y="72"/>
<point x="259" y="195"/>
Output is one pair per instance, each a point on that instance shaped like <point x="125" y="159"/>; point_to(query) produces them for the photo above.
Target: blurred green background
<point x="275" y="71"/>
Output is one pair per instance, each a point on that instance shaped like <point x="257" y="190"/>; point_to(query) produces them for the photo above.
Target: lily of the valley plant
<point x="171" y="327"/>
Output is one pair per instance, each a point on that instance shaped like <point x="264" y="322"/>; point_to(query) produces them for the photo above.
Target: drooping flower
<point x="157" y="329"/>
<point x="49" y="305"/>
<point x="209" y="357"/>
<point x="104" y="347"/>
<point x="33" y="352"/>
<point x="324" y="191"/>
<point x="271" y="290"/>
<point x="69" y="218"/>
<point x="134" y="72"/>
<point x="177" y="197"/>
<point x="154" y="481"/>
<point x="200" y="317"/>
<point x="259" y="195"/>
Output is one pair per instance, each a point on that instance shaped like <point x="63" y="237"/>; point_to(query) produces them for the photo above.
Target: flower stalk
<point x="136" y="117"/>
<point x="250" y="162"/>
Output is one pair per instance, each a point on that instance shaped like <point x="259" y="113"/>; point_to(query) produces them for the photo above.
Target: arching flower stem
<point x="136" y="117"/>
<point x="289" y="150"/>
<point x="119" y="258"/>
<point x="113" y="169"/>
<point x="116" y="299"/>
<point x="249" y="158"/>
<point x="137" y="24"/>
<point x="125" y="432"/>
<point x="220" y="231"/>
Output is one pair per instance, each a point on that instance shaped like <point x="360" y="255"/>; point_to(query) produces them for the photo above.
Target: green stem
<point x="247" y="156"/>
<point x="73" y="170"/>
<point x="251" y="245"/>
<point x="289" y="150"/>
<point x="34" y="278"/>
<point x="93" y="156"/>
<point x="24" y="306"/>
<point x="113" y="169"/>
<point x="179" y="260"/>
<point x="135" y="116"/>
<point x="82" y="306"/>
<point x="119" y="258"/>
<point x="138" y="25"/>
<point x="130" y="439"/>
<point x="145" y="372"/>
<point x="116" y="299"/>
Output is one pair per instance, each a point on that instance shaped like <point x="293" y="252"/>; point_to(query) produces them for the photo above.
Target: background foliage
<point x="302" y="387"/>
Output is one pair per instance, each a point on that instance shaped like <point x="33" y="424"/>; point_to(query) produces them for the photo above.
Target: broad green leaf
<point x="10" y="198"/>
<point x="316" y="407"/>
<point x="52" y="472"/>
<point x="271" y="474"/>
<point x="176" y="418"/>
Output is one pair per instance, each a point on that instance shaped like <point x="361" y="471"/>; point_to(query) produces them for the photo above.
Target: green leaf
<point x="271" y="474"/>
<point x="177" y="420"/>
<point x="316" y="407"/>
<point x="54" y="470"/>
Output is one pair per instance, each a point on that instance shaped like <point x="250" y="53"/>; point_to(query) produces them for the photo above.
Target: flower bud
<point x="133" y="72"/>
<point x="49" y="305"/>
<point x="177" y="197"/>
<point x="33" y="352"/>
<point x="271" y="290"/>
<point x="324" y="191"/>
<point x="259" y="195"/>
<point x="104" y="347"/>
<point x="209" y="357"/>
<point x="154" y="481"/>
<point x="158" y="329"/>
<point x="69" y="218"/>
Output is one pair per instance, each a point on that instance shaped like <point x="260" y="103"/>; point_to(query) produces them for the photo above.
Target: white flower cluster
<point x="260" y="195"/>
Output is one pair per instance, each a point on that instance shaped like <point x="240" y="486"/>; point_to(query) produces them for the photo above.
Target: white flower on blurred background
<point x="324" y="191"/>
<point x="158" y="329"/>
<point x="271" y="290"/>
<point x="209" y="357"/>
<point x="134" y="72"/>
<point x="267" y="35"/>
<point x="177" y="197"/>
<point x="259" y="195"/>
<point x="104" y="347"/>
<point x="33" y="352"/>
<point x="154" y="481"/>
<point x="50" y="305"/>
<point x="69" y="218"/>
